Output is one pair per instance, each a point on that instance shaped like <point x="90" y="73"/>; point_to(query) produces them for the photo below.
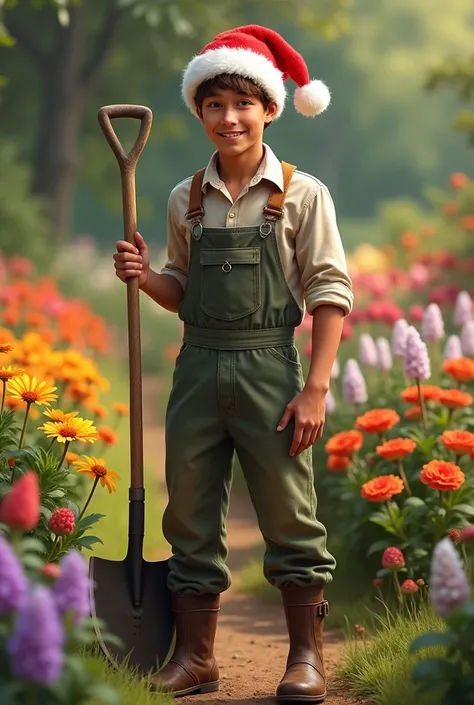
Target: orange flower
<point x="460" y="442"/>
<point x="460" y="368"/>
<point x="467" y="222"/>
<point x="413" y="413"/>
<point x="455" y="398"/>
<point x="337" y="463"/>
<point x="429" y="392"/>
<point x="377" y="420"/>
<point x="396" y="448"/>
<point x="450" y="208"/>
<point x="97" y="470"/>
<point x="107" y="435"/>
<point x="99" y="410"/>
<point x="71" y="457"/>
<point x="427" y="230"/>
<point x="458" y="180"/>
<point x="382" y="488"/>
<point x="7" y="373"/>
<point x="441" y="475"/>
<point x="120" y="408"/>
<point x="344" y="443"/>
<point x="409" y="240"/>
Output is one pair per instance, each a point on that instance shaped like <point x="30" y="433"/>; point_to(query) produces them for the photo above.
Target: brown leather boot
<point x="192" y="669"/>
<point x="304" y="679"/>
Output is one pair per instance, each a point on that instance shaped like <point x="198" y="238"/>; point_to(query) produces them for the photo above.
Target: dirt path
<point x="251" y="643"/>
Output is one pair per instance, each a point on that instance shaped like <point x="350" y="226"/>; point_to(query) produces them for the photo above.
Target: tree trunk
<point x="56" y="161"/>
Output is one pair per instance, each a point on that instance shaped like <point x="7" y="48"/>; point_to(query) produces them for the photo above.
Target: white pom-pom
<point x="312" y="99"/>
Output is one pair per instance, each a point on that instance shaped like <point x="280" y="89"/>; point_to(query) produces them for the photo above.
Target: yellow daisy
<point x="74" y="429"/>
<point x="96" y="469"/>
<point x="30" y="390"/>
<point x="57" y="415"/>
<point x="7" y="373"/>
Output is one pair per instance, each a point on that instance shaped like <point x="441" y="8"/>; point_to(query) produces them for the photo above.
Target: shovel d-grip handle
<point x="127" y="163"/>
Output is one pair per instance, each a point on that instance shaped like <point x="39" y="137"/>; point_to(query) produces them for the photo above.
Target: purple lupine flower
<point x="13" y="583"/>
<point x="35" y="647"/>
<point x="449" y="586"/>
<point x="462" y="309"/>
<point x="354" y="389"/>
<point x="384" y="354"/>
<point x="335" y="369"/>
<point x="399" y="336"/>
<point x="467" y="339"/>
<point x="432" y="324"/>
<point x="330" y="403"/>
<point x="452" y="349"/>
<point x="416" y="359"/>
<point x="71" y="590"/>
<point x="367" y="350"/>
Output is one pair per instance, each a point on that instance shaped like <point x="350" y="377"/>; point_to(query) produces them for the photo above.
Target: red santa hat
<point x="262" y="55"/>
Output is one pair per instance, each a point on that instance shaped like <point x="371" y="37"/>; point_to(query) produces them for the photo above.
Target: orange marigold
<point x="344" y="443"/>
<point x="441" y="475"/>
<point x="460" y="442"/>
<point x="458" y="180"/>
<point x="396" y="448"/>
<point x="413" y="413"/>
<point x="455" y="398"/>
<point x="459" y="368"/>
<point x="377" y="420"/>
<point x="429" y="392"/>
<point x="336" y="463"/>
<point x="382" y="488"/>
<point x="107" y="435"/>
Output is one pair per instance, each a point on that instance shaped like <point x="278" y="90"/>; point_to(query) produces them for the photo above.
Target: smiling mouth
<point x="230" y="135"/>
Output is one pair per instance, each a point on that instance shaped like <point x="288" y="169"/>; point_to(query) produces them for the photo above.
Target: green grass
<point x="380" y="667"/>
<point x="112" y="529"/>
<point x="132" y="687"/>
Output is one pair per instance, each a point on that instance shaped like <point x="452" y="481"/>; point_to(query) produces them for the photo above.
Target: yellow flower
<point x="7" y="373"/>
<point x="30" y="390"/>
<point x="96" y="468"/>
<point x="71" y="430"/>
<point x="57" y="415"/>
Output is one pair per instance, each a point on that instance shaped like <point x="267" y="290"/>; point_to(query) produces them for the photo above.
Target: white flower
<point x="449" y="584"/>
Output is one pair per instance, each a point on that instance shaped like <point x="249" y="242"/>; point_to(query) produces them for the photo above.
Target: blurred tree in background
<point x="457" y="75"/>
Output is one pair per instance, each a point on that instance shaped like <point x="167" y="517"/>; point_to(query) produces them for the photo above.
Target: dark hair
<point x="230" y="82"/>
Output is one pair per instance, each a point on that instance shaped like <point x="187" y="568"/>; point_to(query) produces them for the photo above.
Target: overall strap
<point x="274" y="208"/>
<point x="195" y="212"/>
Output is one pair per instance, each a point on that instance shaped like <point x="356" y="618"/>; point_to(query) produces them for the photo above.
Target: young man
<point x="252" y="243"/>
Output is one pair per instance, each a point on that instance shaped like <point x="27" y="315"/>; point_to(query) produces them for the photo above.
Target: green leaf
<point x="426" y="641"/>
<point x="32" y="544"/>
<point x="436" y="669"/>
<point x="89" y="520"/>
<point x="414" y="502"/>
<point x="105" y="694"/>
<point x="464" y="509"/>
<point x="88" y="541"/>
<point x="378" y="546"/>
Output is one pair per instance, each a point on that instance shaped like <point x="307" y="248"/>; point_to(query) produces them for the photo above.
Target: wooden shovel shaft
<point x="127" y="164"/>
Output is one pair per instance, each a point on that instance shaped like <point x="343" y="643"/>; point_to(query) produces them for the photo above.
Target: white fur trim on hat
<point x="243" y="62"/>
<point x="312" y="99"/>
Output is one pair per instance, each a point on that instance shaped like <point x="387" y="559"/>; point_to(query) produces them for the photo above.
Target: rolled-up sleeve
<point x="320" y="255"/>
<point x="177" y="257"/>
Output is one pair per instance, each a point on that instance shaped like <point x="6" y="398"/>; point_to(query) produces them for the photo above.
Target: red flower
<point x="393" y="558"/>
<point x="62" y="522"/>
<point x="377" y="582"/>
<point x="20" y="508"/>
<point x="420" y="582"/>
<point x="467" y="534"/>
<point x="454" y="535"/>
<point x="409" y="587"/>
<point x="458" y="180"/>
<point x="51" y="570"/>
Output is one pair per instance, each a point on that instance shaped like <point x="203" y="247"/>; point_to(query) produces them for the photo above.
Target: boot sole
<point x="301" y="698"/>
<point x="197" y="689"/>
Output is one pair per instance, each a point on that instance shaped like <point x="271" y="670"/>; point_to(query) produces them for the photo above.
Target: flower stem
<point x="88" y="499"/>
<point x="398" y="591"/>
<point x="401" y="470"/>
<point x="421" y="402"/>
<point x="28" y="404"/>
<point x="53" y="549"/>
<point x="66" y="446"/>
<point x="4" y="393"/>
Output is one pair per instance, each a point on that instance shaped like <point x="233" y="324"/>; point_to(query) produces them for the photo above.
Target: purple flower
<point x="35" y="647"/>
<point x="335" y="369"/>
<point x="367" y="350"/>
<point x="467" y="339"/>
<point x="13" y="583"/>
<point x="462" y="309"/>
<point x="71" y="590"/>
<point x="354" y="389"/>
<point x="330" y="403"/>
<point x="452" y="349"/>
<point x="432" y="325"/>
<point x="399" y="336"/>
<point x="384" y="354"/>
<point x="449" y="584"/>
<point x="416" y="359"/>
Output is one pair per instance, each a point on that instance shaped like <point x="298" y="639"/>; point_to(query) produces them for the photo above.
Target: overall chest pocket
<point x="230" y="282"/>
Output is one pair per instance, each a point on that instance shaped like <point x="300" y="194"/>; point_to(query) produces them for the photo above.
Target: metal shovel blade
<point x="146" y="631"/>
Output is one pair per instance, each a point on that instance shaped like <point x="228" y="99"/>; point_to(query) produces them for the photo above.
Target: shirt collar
<point x="269" y="169"/>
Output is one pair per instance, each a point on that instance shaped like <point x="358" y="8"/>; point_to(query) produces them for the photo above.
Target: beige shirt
<point x="309" y="244"/>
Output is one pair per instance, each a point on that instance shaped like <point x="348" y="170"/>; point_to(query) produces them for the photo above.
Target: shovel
<point x="131" y="597"/>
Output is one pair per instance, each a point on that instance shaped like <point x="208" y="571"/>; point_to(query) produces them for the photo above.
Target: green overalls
<point x="236" y="371"/>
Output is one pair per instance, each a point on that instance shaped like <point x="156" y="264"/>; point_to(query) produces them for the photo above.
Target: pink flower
<point x="408" y="587"/>
<point x="452" y="349"/>
<point x="463" y="309"/>
<point x="449" y="584"/>
<point x="432" y="324"/>
<point x="416" y="313"/>
<point x="384" y="354"/>
<point x="467" y="339"/>
<point x="416" y="360"/>
<point x="354" y="388"/>
<point x="367" y="350"/>
<point x="419" y="276"/>
<point x="399" y="336"/>
<point x="393" y="558"/>
<point x="467" y="534"/>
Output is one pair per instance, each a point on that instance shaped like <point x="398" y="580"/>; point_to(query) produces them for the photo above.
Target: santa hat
<point x="262" y="55"/>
